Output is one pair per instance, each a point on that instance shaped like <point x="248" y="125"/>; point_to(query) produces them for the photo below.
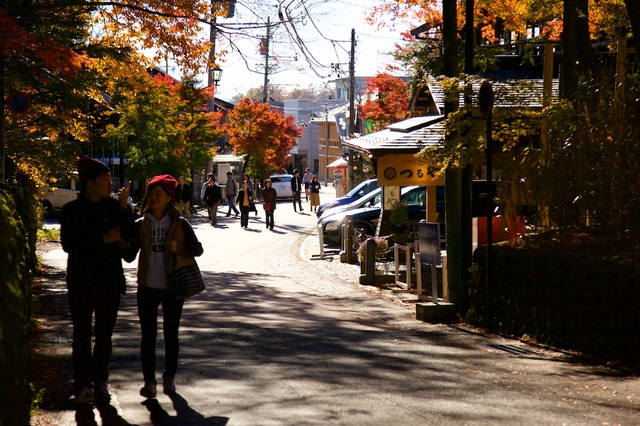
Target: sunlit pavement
<point x="281" y="337"/>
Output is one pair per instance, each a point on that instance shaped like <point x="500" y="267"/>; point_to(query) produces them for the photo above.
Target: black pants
<point x="296" y="197"/>
<point x="85" y="300"/>
<point x="244" y="215"/>
<point x="148" y="301"/>
<point x="269" y="218"/>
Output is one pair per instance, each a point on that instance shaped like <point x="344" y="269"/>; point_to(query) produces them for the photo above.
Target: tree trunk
<point x="633" y="10"/>
<point x="576" y="45"/>
<point x="453" y="198"/>
<point x="568" y="77"/>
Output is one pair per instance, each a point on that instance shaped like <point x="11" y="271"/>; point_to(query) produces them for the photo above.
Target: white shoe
<point x="168" y="385"/>
<point x="149" y="390"/>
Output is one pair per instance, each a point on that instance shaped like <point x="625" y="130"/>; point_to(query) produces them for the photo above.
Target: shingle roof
<point x="416" y="133"/>
<point x="412" y="134"/>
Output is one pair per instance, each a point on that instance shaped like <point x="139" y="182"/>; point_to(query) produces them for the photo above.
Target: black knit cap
<point x="90" y="169"/>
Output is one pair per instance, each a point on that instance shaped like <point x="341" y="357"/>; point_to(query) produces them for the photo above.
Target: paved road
<point x="281" y="339"/>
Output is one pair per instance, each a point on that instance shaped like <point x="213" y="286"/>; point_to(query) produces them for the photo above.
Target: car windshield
<point x="358" y="188"/>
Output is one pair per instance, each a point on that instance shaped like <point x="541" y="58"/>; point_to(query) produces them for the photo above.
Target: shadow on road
<point x="185" y="414"/>
<point x="85" y="415"/>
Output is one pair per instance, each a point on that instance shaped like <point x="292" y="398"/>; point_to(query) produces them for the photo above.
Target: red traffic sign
<point x="337" y="174"/>
<point x="18" y="102"/>
<point x="485" y="99"/>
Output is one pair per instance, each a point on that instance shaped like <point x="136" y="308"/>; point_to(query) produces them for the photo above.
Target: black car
<point x="367" y="217"/>
<point x="362" y="189"/>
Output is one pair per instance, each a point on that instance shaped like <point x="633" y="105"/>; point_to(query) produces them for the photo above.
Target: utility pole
<point x="453" y="175"/>
<point x="352" y="110"/>
<point x="264" y="49"/>
<point x="326" y="145"/>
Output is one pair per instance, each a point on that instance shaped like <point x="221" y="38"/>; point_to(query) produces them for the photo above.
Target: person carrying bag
<point x="167" y="274"/>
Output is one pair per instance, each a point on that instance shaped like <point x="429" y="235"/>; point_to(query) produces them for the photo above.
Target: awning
<point x="340" y="163"/>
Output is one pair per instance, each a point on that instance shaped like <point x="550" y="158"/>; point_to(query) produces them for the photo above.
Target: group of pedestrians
<point x="97" y="232"/>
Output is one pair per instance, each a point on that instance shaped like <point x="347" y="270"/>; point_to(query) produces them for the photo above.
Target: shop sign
<point x="404" y="170"/>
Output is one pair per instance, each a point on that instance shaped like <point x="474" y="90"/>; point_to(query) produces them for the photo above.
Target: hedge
<point x="17" y="261"/>
<point x="573" y="289"/>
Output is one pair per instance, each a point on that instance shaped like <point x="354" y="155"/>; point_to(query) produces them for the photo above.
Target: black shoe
<point x="237" y="214"/>
<point x="301" y="209"/>
<point x="228" y="215"/>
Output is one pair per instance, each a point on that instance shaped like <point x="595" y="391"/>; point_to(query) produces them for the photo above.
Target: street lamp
<point x="216" y="75"/>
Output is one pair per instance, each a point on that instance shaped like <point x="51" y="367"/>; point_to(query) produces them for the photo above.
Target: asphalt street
<point x="282" y="337"/>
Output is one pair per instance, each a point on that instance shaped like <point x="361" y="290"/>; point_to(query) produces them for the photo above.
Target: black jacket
<point x="82" y="227"/>
<point x="241" y="195"/>
<point x="183" y="193"/>
<point x="296" y="184"/>
<point x="212" y="195"/>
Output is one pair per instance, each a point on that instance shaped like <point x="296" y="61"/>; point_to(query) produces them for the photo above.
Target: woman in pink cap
<point x="163" y="233"/>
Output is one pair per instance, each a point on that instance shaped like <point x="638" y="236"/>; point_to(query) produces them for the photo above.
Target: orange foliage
<point x="263" y="135"/>
<point x="15" y="40"/>
<point x="391" y="105"/>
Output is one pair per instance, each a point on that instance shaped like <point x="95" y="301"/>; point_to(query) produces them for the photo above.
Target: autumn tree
<point x="262" y="135"/>
<point x="390" y="102"/>
<point x="164" y="126"/>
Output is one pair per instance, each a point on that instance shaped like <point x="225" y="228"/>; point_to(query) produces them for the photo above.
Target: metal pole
<point x="265" y="93"/>
<point x="326" y="146"/>
<point x="213" y="32"/>
<point x="489" y="212"/>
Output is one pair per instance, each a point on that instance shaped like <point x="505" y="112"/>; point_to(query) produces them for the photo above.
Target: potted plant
<point x="382" y="249"/>
<point x="399" y="213"/>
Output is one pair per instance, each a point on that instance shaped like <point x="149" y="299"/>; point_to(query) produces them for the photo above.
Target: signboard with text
<point x="404" y="170"/>
<point x="429" y="243"/>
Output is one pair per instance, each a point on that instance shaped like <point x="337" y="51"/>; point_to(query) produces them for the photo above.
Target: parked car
<point x="367" y="217"/>
<point x="360" y="190"/>
<point x="63" y="190"/>
<point x="60" y="192"/>
<point x="282" y="184"/>
<point x="367" y="200"/>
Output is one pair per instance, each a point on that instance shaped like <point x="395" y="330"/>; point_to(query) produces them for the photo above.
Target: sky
<point x="335" y="21"/>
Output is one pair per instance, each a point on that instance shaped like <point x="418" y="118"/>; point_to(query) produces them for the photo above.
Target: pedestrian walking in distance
<point x="183" y="198"/>
<point x="246" y="203"/>
<point x="306" y="180"/>
<point x="269" y="197"/>
<point x="296" y="189"/>
<point x="162" y="233"/>
<point x="97" y="232"/>
<point x="231" y="191"/>
<point x="252" y="188"/>
<point x="314" y="189"/>
<point x="212" y="199"/>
